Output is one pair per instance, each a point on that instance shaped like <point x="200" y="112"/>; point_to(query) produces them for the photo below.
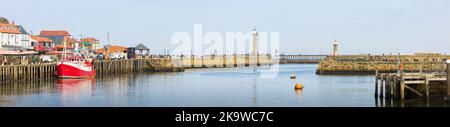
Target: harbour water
<point x="233" y="87"/>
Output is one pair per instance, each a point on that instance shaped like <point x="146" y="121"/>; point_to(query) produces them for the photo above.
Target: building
<point x="141" y="47"/>
<point x="113" y="52"/>
<point x="91" y="44"/>
<point x="13" y="37"/>
<point x="41" y="44"/>
<point x="57" y="36"/>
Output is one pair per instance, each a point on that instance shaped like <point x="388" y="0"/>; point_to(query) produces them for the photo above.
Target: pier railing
<point x="302" y="59"/>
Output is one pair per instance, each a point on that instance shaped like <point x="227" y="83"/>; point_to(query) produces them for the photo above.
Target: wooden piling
<point x="402" y="88"/>
<point x="376" y="83"/>
<point x="448" y="79"/>
<point x="395" y="87"/>
<point x="388" y="86"/>
<point x="427" y="88"/>
<point x="382" y="86"/>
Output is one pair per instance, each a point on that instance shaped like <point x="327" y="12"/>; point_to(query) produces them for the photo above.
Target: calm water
<point x="201" y="87"/>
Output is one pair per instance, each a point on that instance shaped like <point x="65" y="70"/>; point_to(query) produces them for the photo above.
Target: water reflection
<point x="26" y="87"/>
<point x="299" y="93"/>
<point x="432" y="102"/>
<point x="216" y="87"/>
<point x="74" y="90"/>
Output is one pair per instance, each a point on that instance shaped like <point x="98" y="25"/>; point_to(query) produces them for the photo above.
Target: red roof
<point x="62" y="46"/>
<point x="40" y="39"/>
<point x="9" y="28"/>
<point x="112" y="49"/>
<point x="71" y="40"/>
<point x="90" y="40"/>
<point x="54" y="33"/>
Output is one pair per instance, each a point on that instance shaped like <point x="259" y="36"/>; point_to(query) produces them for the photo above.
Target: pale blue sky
<point x="305" y="26"/>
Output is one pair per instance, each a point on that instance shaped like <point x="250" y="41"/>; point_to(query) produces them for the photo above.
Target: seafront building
<point x="41" y="44"/>
<point x="17" y="45"/>
<point x="13" y="37"/>
<point x="91" y="44"/>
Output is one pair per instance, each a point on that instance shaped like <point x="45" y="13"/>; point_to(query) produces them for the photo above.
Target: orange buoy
<point x="299" y="86"/>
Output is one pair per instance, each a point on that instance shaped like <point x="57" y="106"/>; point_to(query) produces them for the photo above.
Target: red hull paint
<point x="68" y="71"/>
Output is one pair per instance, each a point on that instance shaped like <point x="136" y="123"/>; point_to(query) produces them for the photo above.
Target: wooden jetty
<point x="403" y="86"/>
<point x="27" y="72"/>
<point x="47" y="70"/>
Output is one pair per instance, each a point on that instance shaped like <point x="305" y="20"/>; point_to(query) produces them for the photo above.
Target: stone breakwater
<point x="366" y="64"/>
<point x="226" y="61"/>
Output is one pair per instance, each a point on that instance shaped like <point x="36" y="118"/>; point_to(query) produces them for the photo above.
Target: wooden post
<point x="388" y="86"/>
<point x="395" y="87"/>
<point x="376" y="83"/>
<point x="448" y="80"/>
<point x="427" y="87"/>
<point x="402" y="87"/>
<point x="382" y="86"/>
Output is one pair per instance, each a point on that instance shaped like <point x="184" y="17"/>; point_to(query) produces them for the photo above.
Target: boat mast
<point x="64" y="49"/>
<point x="107" y="46"/>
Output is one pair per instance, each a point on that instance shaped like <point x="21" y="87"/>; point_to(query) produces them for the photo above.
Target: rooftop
<point x="113" y="48"/>
<point x="141" y="47"/>
<point x="91" y="40"/>
<point x="9" y="28"/>
<point x="40" y="39"/>
<point x="54" y="33"/>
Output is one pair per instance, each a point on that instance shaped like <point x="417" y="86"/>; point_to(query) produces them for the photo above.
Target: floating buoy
<point x="293" y="76"/>
<point x="299" y="86"/>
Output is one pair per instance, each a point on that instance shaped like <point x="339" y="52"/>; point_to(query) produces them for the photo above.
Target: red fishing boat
<point x="75" y="69"/>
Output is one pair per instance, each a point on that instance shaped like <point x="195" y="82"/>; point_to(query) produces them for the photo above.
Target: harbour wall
<point x="366" y="64"/>
<point x="226" y="61"/>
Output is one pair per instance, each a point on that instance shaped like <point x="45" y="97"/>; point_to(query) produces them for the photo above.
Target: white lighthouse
<point x="335" y="48"/>
<point x="255" y="42"/>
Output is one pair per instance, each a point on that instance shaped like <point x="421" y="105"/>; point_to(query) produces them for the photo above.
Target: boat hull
<point x="70" y="70"/>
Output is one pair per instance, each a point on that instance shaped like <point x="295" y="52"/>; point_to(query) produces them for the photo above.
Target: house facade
<point x="41" y="44"/>
<point x="91" y="44"/>
<point x="13" y="37"/>
<point x="59" y="37"/>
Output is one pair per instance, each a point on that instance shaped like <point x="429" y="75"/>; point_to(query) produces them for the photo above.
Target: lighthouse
<point x="335" y="47"/>
<point x="255" y="39"/>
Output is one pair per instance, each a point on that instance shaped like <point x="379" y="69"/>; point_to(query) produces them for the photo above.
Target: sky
<point x="304" y="26"/>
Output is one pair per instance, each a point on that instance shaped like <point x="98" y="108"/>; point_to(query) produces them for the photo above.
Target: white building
<point x="14" y="37"/>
